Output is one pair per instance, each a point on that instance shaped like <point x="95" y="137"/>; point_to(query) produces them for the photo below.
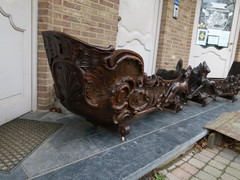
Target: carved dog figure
<point x="171" y="74"/>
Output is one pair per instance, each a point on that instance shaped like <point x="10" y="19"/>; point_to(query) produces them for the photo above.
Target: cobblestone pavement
<point x="208" y="164"/>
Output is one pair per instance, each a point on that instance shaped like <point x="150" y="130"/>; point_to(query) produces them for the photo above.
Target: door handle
<point x="231" y="43"/>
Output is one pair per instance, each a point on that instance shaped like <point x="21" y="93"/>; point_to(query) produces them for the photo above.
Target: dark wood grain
<point x="200" y="88"/>
<point x="105" y="85"/>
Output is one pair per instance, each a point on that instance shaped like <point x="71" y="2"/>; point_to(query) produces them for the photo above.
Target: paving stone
<point x="192" y="153"/>
<point x="219" y="148"/>
<point x="202" y="157"/>
<point x="205" y="176"/>
<point x="16" y="174"/>
<point x="213" y="150"/>
<point x="164" y="172"/>
<point x="227" y="155"/>
<point x="237" y="159"/>
<point x="196" y="163"/>
<point x="170" y="176"/>
<point x="217" y="164"/>
<point x="235" y="165"/>
<point x="189" y="168"/>
<point x="233" y="172"/>
<point x="181" y="173"/>
<point x="194" y="178"/>
<point x="213" y="171"/>
<point x="226" y="176"/>
<point x="222" y="159"/>
<point x="179" y="163"/>
<point x="207" y="153"/>
<point x="230" y="152"/>
<point x="171" y="167"/>
<point x="186" y="158"/>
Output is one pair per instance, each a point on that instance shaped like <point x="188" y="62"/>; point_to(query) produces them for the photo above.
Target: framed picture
<point x="202" y="37"/>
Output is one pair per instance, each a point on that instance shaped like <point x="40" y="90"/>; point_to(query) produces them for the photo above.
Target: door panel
<point x="15" y="59"/>
<point x="138" y="29"/>
<point x="215" y="35"/>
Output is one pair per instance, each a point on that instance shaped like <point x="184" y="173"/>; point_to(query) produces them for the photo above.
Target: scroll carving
<point x="108" y="86"/>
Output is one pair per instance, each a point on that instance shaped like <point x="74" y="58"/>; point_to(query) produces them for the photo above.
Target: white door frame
<point x="234" y="46"/>
<point x="155" y="32"/>
<point x="156" y="43"/>
<point x="34" y="53"/>
<point x="233" y="42"/>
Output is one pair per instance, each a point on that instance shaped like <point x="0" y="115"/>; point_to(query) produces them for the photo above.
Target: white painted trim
<point x="34" y="53"/>
<point x="234" y="46"/>
<point x="11" y="20"/>
<point x="155" y="51"/>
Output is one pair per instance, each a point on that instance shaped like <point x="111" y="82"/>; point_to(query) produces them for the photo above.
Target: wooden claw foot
<point x="123" y="130"/>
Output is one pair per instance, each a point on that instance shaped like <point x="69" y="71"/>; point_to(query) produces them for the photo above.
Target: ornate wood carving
<point x="172" y="74"/>
<point x="202" y="88"/>
<point x="199" y="85"/>
<point x="105" y="85"/>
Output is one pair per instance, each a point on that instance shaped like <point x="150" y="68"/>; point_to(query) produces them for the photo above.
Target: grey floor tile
<point x="35" y="115"/>
<point x="77" y="149"/>
<point x="42" y="160"/>
<point x="96" y="150"/>
<point x="73" y="130"/>
<point x="16" y="174"/>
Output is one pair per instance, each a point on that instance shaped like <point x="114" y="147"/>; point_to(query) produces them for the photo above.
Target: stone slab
<point x="154" y="139"/>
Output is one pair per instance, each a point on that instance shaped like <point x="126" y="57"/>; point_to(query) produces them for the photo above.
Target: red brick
<point x="97" y="18"/>
<point x="44" y="5"/>
<point x="88" y="34"/>
<point x="95" y="41"/>
<point x="114" y="1"/>
<point x="97" y="30"/>
<point x="43" y="12"/>
<point x="57" y="15"/>
<point x="62" y="23"/>
<point x="59" y="2"/>
<point x="97" y="6"/>
<point x="96" y="1"/>
<point x="71" y="31"/>
<point x="104" y="26"/>
<point x="71" y="18"/>
<point x="89" y="22"/>
<point x="106" y="3"/>
<point x="72" y="5"/>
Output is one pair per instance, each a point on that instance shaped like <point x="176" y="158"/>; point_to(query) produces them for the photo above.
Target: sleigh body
<point x="105" y="85"/>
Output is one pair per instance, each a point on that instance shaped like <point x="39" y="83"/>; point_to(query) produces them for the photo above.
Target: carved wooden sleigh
<point x="105" y="85"/>
<point x="202" y="88"/>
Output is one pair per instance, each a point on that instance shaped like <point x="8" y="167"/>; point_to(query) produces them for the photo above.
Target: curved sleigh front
<point x="105" y="85"/>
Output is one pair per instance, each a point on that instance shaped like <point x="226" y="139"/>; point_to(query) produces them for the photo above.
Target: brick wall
<point x="175" y="34"/>
<point x="94" y="21"/>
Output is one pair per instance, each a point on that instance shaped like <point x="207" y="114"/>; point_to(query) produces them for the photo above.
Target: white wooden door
<point x="215" y="35"/>
<point x="139" y="28"/>
<point x="15" y="58"/>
